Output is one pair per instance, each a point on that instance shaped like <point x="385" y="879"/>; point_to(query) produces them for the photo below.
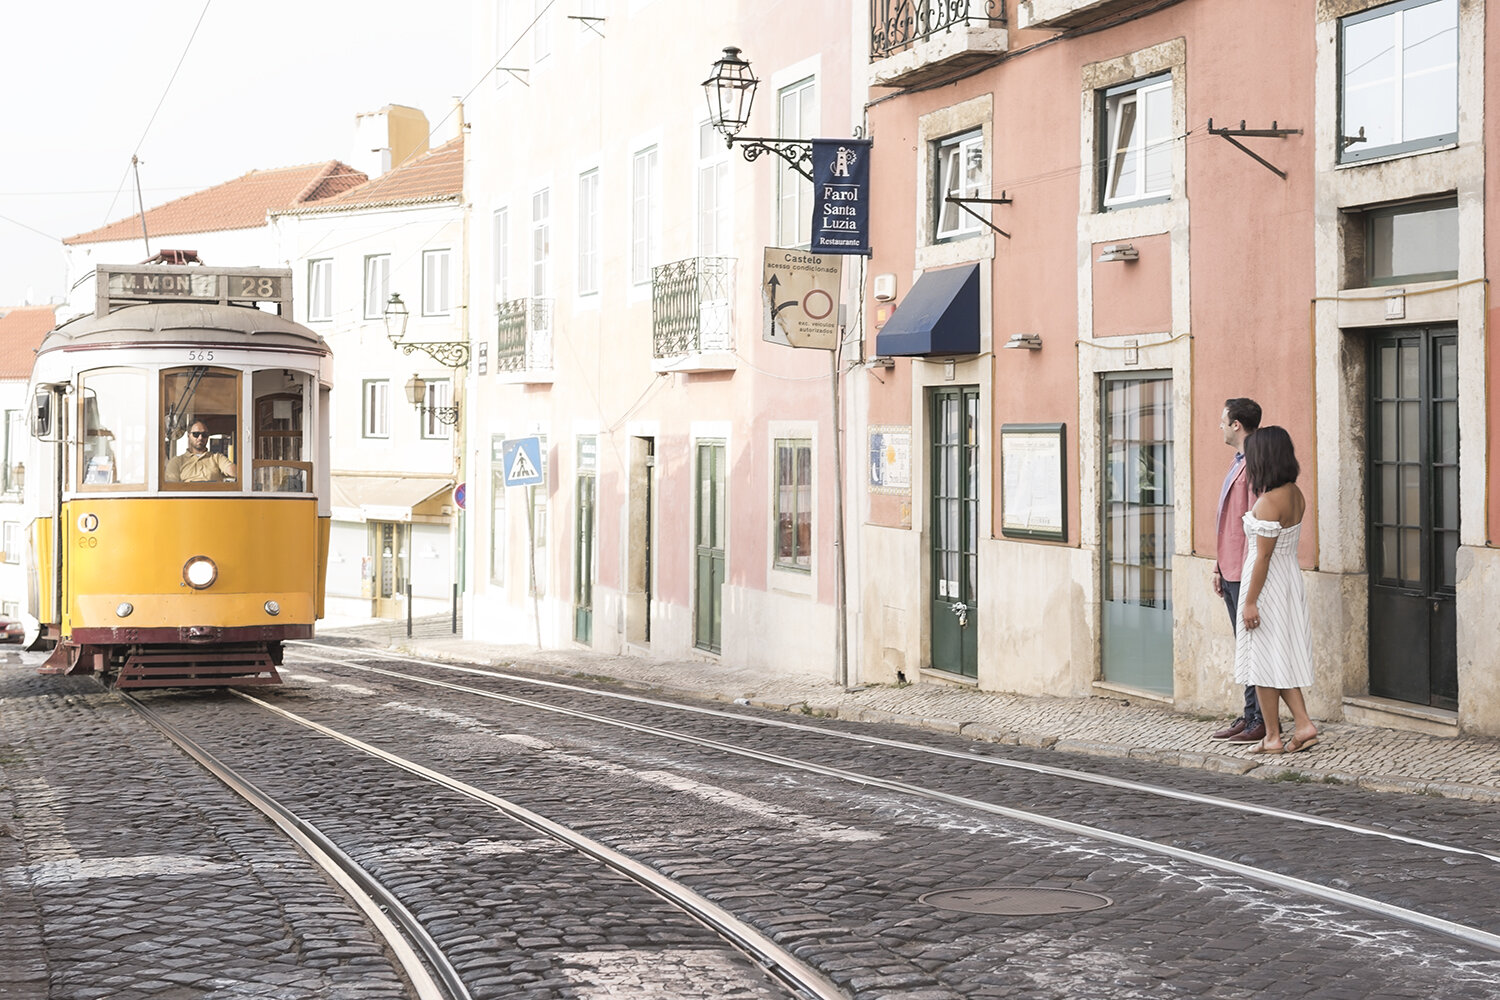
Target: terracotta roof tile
<point x="21" y="330"/>
<point x="434" y="176"/>
<point x="238" y="204"/>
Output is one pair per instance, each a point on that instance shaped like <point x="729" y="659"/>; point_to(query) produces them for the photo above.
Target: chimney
<point x="387" y="138"/>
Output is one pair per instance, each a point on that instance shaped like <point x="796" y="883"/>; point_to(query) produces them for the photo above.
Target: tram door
<point x="1137" y="532"/>
<point x="1413" y="515"/>
<point x="387" y="557"/>
<point x="713" y="530"/>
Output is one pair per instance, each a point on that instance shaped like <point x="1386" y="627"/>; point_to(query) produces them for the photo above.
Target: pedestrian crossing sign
<point x="521" y="458"/>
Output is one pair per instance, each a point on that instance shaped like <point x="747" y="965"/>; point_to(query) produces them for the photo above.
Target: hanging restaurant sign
<point x="841" y="196"/>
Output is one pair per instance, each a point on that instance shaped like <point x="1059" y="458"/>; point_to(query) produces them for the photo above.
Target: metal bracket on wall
<point x="1256" y="133"/>
<point x="964" y="204"/>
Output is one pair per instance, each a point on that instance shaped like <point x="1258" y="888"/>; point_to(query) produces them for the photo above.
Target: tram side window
<point x="283" y="460"/>
<point x="200" y="428"/>
<point x="112" y="424"/>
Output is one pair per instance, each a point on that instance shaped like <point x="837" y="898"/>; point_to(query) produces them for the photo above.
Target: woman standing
<point x="1273" y="649"/>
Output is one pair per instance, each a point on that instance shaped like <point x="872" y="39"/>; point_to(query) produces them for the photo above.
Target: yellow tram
<point x="179" y="479"/>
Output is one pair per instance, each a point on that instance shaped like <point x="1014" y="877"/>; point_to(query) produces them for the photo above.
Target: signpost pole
<point x="839" y="599"/>
<point x="536" y="611"/>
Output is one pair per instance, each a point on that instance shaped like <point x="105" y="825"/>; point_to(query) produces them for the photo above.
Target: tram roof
<point x="195" y="323"/>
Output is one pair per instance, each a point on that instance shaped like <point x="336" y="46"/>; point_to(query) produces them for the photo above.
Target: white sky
<point x="265" y="83"/>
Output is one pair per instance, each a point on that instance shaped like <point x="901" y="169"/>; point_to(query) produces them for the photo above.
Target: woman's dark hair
<point x="1270" y="460"/>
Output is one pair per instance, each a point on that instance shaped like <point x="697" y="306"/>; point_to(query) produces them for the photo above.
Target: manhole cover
<point x="1015" y="902"/>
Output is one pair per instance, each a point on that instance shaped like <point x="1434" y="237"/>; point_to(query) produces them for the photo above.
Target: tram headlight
<point x="199" y="572"/>
<point x="272" y="608"/>
<point x="123" y="609"/>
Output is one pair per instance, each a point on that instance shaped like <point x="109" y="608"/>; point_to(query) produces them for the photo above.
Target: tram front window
<point x="112" y="443"/>
<point x="200" y="428"/>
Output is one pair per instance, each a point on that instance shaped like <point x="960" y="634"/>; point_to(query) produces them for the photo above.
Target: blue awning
<point x="940" y="315"/>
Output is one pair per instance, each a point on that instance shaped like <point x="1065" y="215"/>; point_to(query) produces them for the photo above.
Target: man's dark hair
<point x="1245" y="410"/>
<point x="1270" y="460"/>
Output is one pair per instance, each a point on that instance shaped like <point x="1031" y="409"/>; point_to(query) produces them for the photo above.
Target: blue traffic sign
<point x="521" y="458"/>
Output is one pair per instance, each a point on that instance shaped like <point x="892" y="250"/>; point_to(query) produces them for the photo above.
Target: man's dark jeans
<point x="1231" y="589"/>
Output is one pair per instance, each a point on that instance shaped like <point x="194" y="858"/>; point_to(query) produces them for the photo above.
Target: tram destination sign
<point x="120" y="286"/>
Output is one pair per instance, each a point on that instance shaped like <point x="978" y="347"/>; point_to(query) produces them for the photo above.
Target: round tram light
<point x="123" y="609"/>
<point x="199" y="572"/>
<point x="272" y="608"/>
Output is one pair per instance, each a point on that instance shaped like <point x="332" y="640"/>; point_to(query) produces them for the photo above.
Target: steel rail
<point x="1124" y="784"/>
<point x="391" y="918"/>
<point x="1462" y="932"/>
<point x="775" y="960"/>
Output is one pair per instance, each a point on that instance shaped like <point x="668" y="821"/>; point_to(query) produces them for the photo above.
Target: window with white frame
<point x="645" y="213"/>
<point x="498" y="525"/>
<point x="1398" y="78"/>
<point x="588" y="233"/>
<point x="10" y="609"/>
<point x="1138" y="143"/>
<point x="713" y="193"/>
<point x="437" y="282"/>
<point x="500" y="254"/>
<point x="319" y="290"/>
<point x="796" y="118"/>
<point x="503" y="41"/>
<point x="541" y="241"/>
<point x="959" y="162"/>
<point x="794" y="503"/>
<point x="12" y="541"/>
<point x="14" y="471"/>
<point x="377" y="284"/>
<point x="376" y="422"/>
<point x="438" y="395"/>
<point x="541" y="29"/>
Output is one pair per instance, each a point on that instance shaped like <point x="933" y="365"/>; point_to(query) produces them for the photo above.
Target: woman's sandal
<point x="1297" y="746"/>
<point x="1262" y="748"/>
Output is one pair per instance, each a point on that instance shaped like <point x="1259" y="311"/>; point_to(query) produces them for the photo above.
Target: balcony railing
<point x="692" y="306"/>
<point x="524" y="342"/>
<point x="897" y="25"/>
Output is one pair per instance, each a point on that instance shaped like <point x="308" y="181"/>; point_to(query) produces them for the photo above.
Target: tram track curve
<point x="1476" y="936"/>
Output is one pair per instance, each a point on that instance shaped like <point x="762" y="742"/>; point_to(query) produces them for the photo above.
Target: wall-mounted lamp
<point x="416" y="395"/>
<point x="451" y="353"/>
<point x="1024" y="342"/>
<point x="1117" y="251"/>
<point x="730" y="89"/>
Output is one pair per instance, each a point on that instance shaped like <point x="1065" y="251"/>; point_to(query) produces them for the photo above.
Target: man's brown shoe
<point x="1252" y="735"/>
<point x="1230" y="731"/>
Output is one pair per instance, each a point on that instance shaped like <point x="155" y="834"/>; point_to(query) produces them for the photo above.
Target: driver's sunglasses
<point x="198" y="434"/>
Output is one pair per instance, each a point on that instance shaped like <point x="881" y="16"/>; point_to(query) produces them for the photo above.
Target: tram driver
<point x="198" y="464"/>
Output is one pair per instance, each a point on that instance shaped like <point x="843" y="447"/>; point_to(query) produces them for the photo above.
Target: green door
<point x="584" y="568"/>
<point x="1413" y="512"/>
<point x="1136" y="628"/>
<point x="955" y="530"/>
<point x="712" y="525"/>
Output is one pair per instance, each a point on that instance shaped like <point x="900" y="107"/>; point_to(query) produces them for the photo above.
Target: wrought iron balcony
<point x="524" y="342"/>
<point x="1061" y="14"/>
<point x="914" y="42"/>
<point x="692" y="311"/>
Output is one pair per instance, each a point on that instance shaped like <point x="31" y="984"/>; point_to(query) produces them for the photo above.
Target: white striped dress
<point x="1277" y="653"/>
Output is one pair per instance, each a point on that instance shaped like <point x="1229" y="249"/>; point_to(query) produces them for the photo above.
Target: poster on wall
<point x="1033" y="495"/>
<point x="890" y="459"/>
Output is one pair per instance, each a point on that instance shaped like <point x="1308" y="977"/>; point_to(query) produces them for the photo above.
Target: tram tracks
<point x="421" y="957"/>
<point x="1434" y="852"/>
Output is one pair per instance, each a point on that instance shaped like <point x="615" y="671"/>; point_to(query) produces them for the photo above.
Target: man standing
<point x="1239" y="418"/>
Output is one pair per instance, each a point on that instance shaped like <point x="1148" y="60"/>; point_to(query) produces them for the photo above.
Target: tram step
<point x="219" y="668"/>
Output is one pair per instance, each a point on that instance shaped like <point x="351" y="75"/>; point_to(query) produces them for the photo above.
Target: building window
<point x="437" y="282"/>
<point x="1399" y="78"/>
<point x="645" y="214"/>
<point x="588" y="233"/>
<point x="503" y="41"/>
<point x="438" y="395"/>
<point x="14" y="470"/>
<point x="960" y="174"/>
<point x="498" y="525"/>
<point x="1416" y="242"/>
<point x="797" y="118"/>
<point x="377" y="285"/>
<point x="12" y="541"/>
<point x="794" y="504"/>
<point x="713" y="193"/>
<point x="377" y="413"/>
<point x="1138" y="139"/>
<point x="541" y="241"/>
<point x="319" y="290"/>
<point x="500" y="254"/>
